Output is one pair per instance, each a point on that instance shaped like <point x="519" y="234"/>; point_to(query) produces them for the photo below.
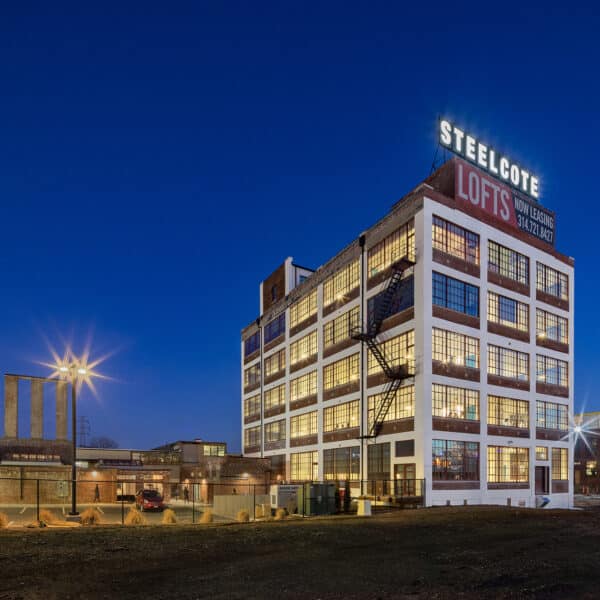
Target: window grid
<point x="551" y="327"/>
<point x="342" y="464"/>
<point x="342" y="282"/>
<point x="560" y="464"/>
<point x="304" y="466"/>
<point x="340" y="329"/>
<point x="454" y="461"/>
<point x="403" y="299"/>
<point x="275" y="431"/>
<point x="455" y="294"/>
<point x="275" y="397"/>
<point x="303" y="309"/>
<point x="402" y="406"/>
<point x="454" y="403"/>
<point x="275" y="363"/>
<point x="541" y="453"/>
<point x="508" y="263"/>
<point x="342" y="416"/>
<point x="397" y="245"/>
<point x="274" y="328"/>
<point x="340" y="372"/>
<point x="252" y="406"/>
<point x="304" y="386"/>
<point x="552" y="282"/>
<point x="508" y="465"/>
<point x="304" y="348"/>
<point x="552" y="371"/>
<point x="252" y="436"/>
<point x="508" y="312"/>
<point x="454" y="240"/>
<point x="551" y="415"/>
<point x="399" y="350"/>
<point x="303" y="425"/>
<point x="508" y="412"/>
<point x="511" y="364"/>
<point x="455" y="348"/>
<point x="252" y="375"/>
<point x="252" y="344"/>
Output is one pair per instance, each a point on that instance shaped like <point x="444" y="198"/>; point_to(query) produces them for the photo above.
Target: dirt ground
<point x="462" y="552"/>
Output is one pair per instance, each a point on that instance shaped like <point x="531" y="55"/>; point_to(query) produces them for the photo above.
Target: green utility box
<point x="316" y="499"/>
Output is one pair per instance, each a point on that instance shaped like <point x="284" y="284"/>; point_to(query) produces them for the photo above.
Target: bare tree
<point x="103" y="442"/>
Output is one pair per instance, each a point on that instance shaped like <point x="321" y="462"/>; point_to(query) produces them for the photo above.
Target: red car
<point x="149" y="500"/>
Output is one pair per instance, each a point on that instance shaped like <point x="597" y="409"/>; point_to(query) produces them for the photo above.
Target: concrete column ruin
<point x="11" y="401"/>
<point x="37" y="408"/>
<point x="61" y="410"/>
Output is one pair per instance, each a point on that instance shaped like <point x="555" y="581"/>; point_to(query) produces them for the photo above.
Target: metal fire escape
<point x="395" y="374"/>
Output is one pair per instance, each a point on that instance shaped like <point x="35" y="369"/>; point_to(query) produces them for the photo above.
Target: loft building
<point x="434" y="353"/>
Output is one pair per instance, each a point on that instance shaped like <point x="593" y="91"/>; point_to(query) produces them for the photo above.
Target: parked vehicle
<point x="149" y="500"/>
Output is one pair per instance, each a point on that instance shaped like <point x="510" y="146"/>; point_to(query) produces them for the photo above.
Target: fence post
<point x="37" y="502"/>
<point x="193" y="504"/>
<point x="254" y="502"/>
<point x="122" y="507"/>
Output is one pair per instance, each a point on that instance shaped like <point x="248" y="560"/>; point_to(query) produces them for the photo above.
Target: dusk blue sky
<point x="158" y="161"/>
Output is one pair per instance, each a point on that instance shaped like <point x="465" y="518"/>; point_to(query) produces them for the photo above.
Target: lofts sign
<point x="504" y="194"/>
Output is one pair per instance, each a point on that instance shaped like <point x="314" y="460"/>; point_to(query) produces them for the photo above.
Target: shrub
<point x="207" y="516"/>
<point x="280" y="514"/>
<point x="168" y="517"/>
<point x="47" y="517"/>
<point x="243" y="516"/>
<point x="90" y="516"/>
<point x="3" y="521"/>
<point x="135" y="517"/>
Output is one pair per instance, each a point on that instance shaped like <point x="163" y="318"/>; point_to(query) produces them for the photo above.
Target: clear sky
<point x="157" y="161"/>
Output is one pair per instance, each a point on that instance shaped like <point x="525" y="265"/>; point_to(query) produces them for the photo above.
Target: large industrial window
<point x="274" y="328"/>
<point x="560" y="464"/>
<point x="454" y="403"/>
<point x="252" y="406"/>
<point x="304" y="348"/>
<point x="252" y="375"/>
<point x="303" y="425"/>
<point x="398" y="351"/>
<point x="511" y="364"/>
<point x="541" y="453"/>
<point x="304" y="386"/>
<point x="341" y="416"/>
<point x="454" y="461"/>
<point x="340" y="372"/>
<point x="508" y="465"/>
<point x="551" y="370"/>
<point x="455" y="348"/>
<point x="454" y="240"/>
<point x="508" y="412"/>
<point x="455" y="295"/>
<point x="342" y="464"/>
<point x="401" y="407"/>
<point x="508" y="312"/>
<point x="552" y="282"/>
<point x="275" y="363"/>
<point x="341" y="283"/>
<point x="304" y="466"/>
<point x="551" y="327"/>
<point x="252" y="436"/>
<point x="303" y="309"/>
<point x="275" y="431"/>
<point x="378" y="461"/>
<point x="340" y="329"/>
<point x="397" y="245"/>
<point x="252" y="343"/>
<point x="551" y="415"/>
<point x="508" y="263"/>
<point x="275" y="397"/>
<point x="403" y="298"/>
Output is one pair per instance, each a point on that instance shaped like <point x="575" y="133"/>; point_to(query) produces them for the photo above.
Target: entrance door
<point x="541" y="480"/>
<point x="405" y="476"/>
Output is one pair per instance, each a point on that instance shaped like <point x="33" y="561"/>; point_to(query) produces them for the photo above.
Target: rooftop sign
<point x="498" y="165"/>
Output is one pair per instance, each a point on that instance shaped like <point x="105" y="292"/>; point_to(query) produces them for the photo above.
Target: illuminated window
<point x="252" y="344"/>
<point x="551" y="327"/>
<point x="508" y="465"/>
<point x="454" y="461"/>
<point x="304" y="466"/>
<point x="275" y="397"/>
<point x="252" y="437"/>
<point x="508" y="412"/>
<point x="304" y="425"/>
<point x="454" y="403"/>
<point x="508" y="363"/>
<point x="455" y="348"/>
<point x="340" y="372"/>
<point x="304" y="386"/>
<point x="454" y="240"/>
<point x="552" y="282"/>
<point x="552" y="371"/>
<point x="341" y="283"/>
<point x="455" y="295"/>
<point x="508" y="263"/>
<point x="275" y="328"/>
<point x="397" y="245"/>
<point x="275" y="431"/>
<point x="551" y="415"/>
<point x="342" y="464"/>
<point x="399" y="350"/>
<point x="304" y="348"/>
<point x="560" y="464"/>
<point x="339" y="330"/>
<point x="303" y="309"/>
<point x="342" y="416"/>
<point x="401" y="407"/>
<point x="541" y="453"/>
<point x="252" y="375"/>
<point x="275" y="363"/>
<point x="213" y="450"/>
<point x="508" y="312"/>
<point x="591" y="468"/>
<point x="252" y="406"/>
